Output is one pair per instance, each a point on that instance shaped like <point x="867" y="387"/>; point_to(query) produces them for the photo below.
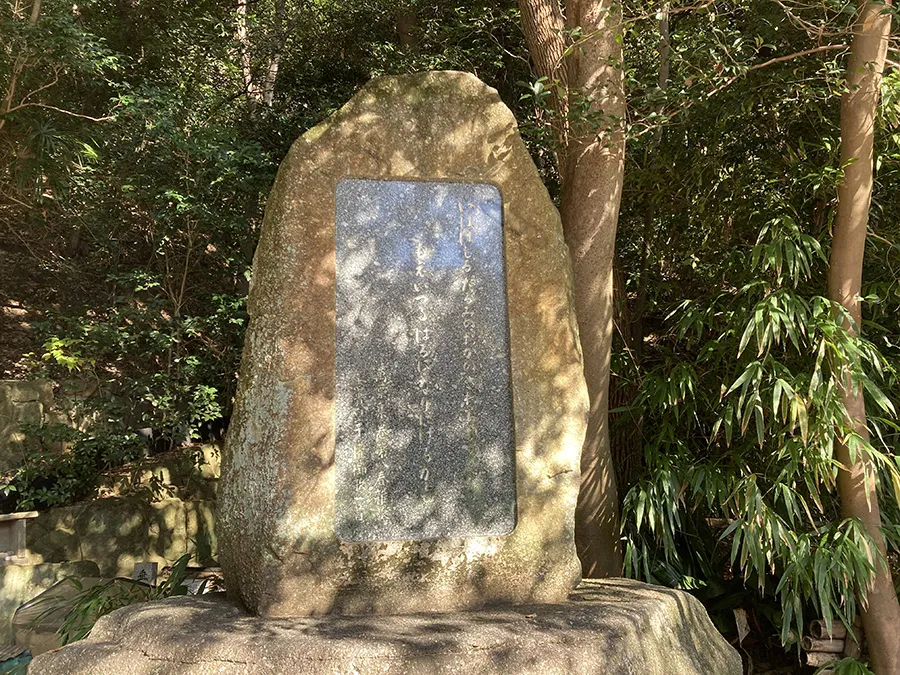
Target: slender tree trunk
<point x="543" y="24"/>
<point x="406" y="22"/>
<point x="592" y="190"/>
<point x="624" y="426"/>
<point x="18" y="65"/>
<point x="640" y="303"/>
<point x="275" y="59"/>
<point x="243" y="39"/>
<point x="591" y="165"/>
<point x="856" y="482"/>
<point x="627" y="427"/>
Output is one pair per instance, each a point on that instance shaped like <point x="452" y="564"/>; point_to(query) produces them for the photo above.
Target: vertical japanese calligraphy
<point x="424" y="439"/>
<point x="470" y="375"/>
<point x="423" y="346"/>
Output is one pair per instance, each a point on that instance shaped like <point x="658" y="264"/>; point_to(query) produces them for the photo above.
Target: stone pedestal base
<point x="612" y="627"/>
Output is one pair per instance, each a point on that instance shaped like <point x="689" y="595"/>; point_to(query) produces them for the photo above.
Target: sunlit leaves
<point x="786" y="252"/>
<point x="748" y="432"/>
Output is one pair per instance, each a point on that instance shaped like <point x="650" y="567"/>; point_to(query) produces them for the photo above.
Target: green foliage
<point x="81" y="611"/>
<point x="140" y="146"/>
<point x="847" y="666"/>
<point x="736" y="370"/>
<point x="148" y="219"/>
<point x="746" y="433"/>
<point x="49" y="477"/>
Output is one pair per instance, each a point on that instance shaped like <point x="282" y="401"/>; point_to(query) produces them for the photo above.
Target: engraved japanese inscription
<point x="424" y="443"/>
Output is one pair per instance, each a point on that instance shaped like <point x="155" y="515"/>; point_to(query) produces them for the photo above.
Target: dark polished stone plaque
<point x="424" y="443"/>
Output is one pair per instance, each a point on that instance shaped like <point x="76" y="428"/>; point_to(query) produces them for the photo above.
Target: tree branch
<point x="777" y="59"/>
<point x="17" y="201"/>
<point x="64" y="112"/>
<point x="41" y="88"/>
<point x="805" y="52"/>
<point x="731" y="80"/>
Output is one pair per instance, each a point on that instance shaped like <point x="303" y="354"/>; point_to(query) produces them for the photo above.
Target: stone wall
<point x="118" y="532"/>
<point x="20" y="402"/>
<point x="21" y="583"/>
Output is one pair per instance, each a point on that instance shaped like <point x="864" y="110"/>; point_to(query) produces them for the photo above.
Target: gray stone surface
<point x="278" y="544"/>
<point x="20" y="583"/>
<point x="424" y="442"/>
<point x="614" y="627"/>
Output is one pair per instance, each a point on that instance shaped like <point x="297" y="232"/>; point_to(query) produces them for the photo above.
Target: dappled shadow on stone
<point x="614" y="626"/>
<point x="20" y="583"/>
<point x="118" y="532"/>
<point x="278" y="543"/>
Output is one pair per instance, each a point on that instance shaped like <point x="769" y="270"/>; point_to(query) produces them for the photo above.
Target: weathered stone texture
<point x="21" y="583"/>
<point x="614" y="627"/>
<point x="20" y="402"/>
<point x="279" y="549"/>
<point x="118" y="532"/>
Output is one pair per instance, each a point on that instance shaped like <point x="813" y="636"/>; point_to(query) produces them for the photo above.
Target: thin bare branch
<point x="17" y="201"/>
<point x="731" y="80"/>
<point x="777" y="59"/>
<point x="64" y="112"/>
<point x="39" y="89"/>
<point x="670" y="11"/>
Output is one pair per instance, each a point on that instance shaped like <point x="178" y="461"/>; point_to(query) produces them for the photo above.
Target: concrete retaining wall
<point x="21" y="583"/>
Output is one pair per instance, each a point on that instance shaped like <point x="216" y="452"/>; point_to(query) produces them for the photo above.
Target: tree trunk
<point x="856" y="481"/>
<point x="591" y="168"/>
<point x="275" y="59"/>
<point x="18" y="65"/>
<point x="592" y="190"/>
<point x="627" y="427"/>
<point x="250" y="87"/>
<point x="543" y="24"/>
<point x="640" y="304"/>
<point x="406" y="24"/>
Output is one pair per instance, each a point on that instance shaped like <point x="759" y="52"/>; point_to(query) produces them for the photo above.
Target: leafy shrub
<point x="52" y="478"/>
<point x="81" y="611"/>
<point x="740" y="424"/>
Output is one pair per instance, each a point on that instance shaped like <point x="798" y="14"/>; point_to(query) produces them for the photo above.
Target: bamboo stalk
<point x="809" y="644"/>
<point x="819" y="630"/>
<point x="816" y="659"/>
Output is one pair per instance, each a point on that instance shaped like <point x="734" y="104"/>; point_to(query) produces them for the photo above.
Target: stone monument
<point x="407" y="429"/>
<point x="411" y="406"/>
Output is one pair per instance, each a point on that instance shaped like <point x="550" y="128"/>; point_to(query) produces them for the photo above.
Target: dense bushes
<point x="49" y="477"/>
<point x="144" y="224"/>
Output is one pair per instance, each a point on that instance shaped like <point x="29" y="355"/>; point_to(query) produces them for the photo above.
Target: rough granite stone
<point x="279" y="548"/>
<point x="614" y="627"/>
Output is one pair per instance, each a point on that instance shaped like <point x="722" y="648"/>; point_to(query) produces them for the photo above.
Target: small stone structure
<point x="12" y="537"/>
<point x="446" y="234"/>
<point x="615" y="627"/>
